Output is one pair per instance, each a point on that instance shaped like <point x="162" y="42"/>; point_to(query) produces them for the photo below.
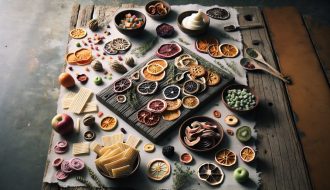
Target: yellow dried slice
<point x="190" y="102"/>
<point x="149" y="147"/>
<point x="173" y="104"/>
<point x="171" y="115"/>
<point x="197" y="71"/>
<point x="212" y="78"/>
<point x="108" y="123"/>
<point x="247" y="154"/>
<point x="78" y="33"/>
<point x="228" y="50"/>
<point x="71" y="59"/>
<point x="152" y="77"/>
<point x="161" y="62"/>
<point x="155" y="69"/>
<point x="158" y="169"/>
<point x="214" y="51"/>
<point x="225" y="157"/>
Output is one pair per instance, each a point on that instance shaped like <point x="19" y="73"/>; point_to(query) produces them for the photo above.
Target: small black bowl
<point x="193" y="32"/>
<point x="130" y="32"/>
<point x="158" y="17"/>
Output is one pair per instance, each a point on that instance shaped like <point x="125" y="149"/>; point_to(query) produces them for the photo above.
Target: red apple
<point x="63" y="124"/>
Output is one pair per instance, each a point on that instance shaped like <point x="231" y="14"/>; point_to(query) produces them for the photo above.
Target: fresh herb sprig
<point x="233" y="66"/>
<point x="144" y="48"/>
<point x="181" y="176"/>
<point x="86" y="182"/>
<point x="132" y="98"/>
<point x="95" y="178"/>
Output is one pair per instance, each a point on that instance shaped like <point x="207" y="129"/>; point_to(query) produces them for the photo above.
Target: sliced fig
<point x="196" y="124"/>
<point x="167" y="51"/>
<point x="192" y="143"/>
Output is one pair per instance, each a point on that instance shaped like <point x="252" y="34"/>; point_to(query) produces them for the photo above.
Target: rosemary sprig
<point x="184" y="41"/>
<point x="171" y="74"/>
<point x="144" y="48"/>
<point x="132" y="99"/>
<point x="223" y="68"/>
<point x="181" y="176"/>
<point x="95" y="178"/>
<point x="233" y="67"/>
<point x="86" y="182"/>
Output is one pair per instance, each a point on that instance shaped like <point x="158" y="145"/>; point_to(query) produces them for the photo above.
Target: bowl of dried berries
<point x="130" y="22"/>
<point x="158" y="9"/>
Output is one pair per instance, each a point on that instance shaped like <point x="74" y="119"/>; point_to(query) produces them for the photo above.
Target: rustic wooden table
<point x="281" y="159"/>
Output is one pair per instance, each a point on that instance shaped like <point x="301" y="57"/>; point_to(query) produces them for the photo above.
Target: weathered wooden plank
<point x="280" y="158"/>
<point x="310" y="94"/>
<point x="319" y="34"/>
<point x="85" y="14"/>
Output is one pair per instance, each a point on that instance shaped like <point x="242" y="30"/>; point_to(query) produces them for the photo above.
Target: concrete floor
<point x="33" y="36"/>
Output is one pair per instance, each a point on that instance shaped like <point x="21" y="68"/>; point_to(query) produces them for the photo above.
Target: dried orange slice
<point x="155" y="69"/>
<point x="190" y="102"/>
<point x="247" y="154"/>
<point x="158" y="169"/>
<point x="108" y="123"/>
<point x="197" y="71"/>
<point x="214" y="51"/>
<point x="212" y="78"/>
<point x="171" y="115"/>
<point x="151" y="77"/>
<point x="173" y="104"/>
<point x="161" y="62"/>
<point x="225" y="157"/>
<point x="78" y="33"/>
<point x="228" y="50"/>
<point x="71" y="59"/>
<point x="83" y="56"/>
<point x="189" y="62"/>
<point x="203" y="44"/>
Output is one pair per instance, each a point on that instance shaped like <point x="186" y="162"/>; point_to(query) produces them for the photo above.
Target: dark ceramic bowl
<point x="193" y="32"/>
<point x="158" y="17"/>
<point x="136" y="167"/>
<point x="200" y="119"/>
<point x="238" y="86"/>
<point x="130" y="32"/>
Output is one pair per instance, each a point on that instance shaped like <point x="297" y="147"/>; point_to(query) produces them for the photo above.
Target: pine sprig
<point x="132" y="98"/>
<point x="95" y="178"/>
<point x="86" y="182"/>
<point x="144" y="48"/>
<point x="181" y="176"/>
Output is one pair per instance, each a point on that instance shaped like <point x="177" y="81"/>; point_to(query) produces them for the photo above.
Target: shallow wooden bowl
<point x="193" y="32"/>
<point x="130" y="32"/>
<point x="158" y="17"/>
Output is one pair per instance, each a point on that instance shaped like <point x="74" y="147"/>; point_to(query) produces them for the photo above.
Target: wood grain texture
<point x="280" y="157"/>
<point x="319" y="34"/>
<point x="310" y="94"/>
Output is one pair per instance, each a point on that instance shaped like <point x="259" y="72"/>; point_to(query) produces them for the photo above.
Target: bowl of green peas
<point x="239" y="98"/>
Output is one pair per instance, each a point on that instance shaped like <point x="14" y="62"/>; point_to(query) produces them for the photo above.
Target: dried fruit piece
<point x="171" y="115"/>
<point x="210" y="173"/>
<point x="190" y="102"/>
<point x="230" y="132"/>
<point x="243" y="134"/>
<point x="158" y="169"/>
<point x="122" y="85"/>
<point x="165" y="30"/>
<point x="78" y="33"/>
<point x="190" y="87"/>
<point x="156" y="105"/>
<point x="152" y="119"/>
<point x="152" y="77"/>
<point x="121" y="98"/>
<point x="173" y="104"/>
<point x="197" y="71"/>
<point x="186" y="158"/>
<point x="155" y="69"/>
<point x="228" y="50"/>
<point x="247" y="154"/>
<point x="120" y="44"/>
<point x="216" y="113"/>
<point x="218" y="13"/>
<point x="148" y="87"/>
<point x="225" y="157"/>
<point x="109" y="49"/>
<point x="189" y="62"/>
<point x="213" y="51"/>
<point x="142" y="114"/>
<point x="167" y="51"/>
<point x="203" y="44"/>
<point x="171" y="92"/>
<point x="161" y="62"/>
<point x="212" y="78"/>
<point x="108" y="123"/>
<point x="231" y="120"/>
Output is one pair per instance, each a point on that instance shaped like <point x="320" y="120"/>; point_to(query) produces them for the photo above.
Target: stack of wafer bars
<point x="116" y="158"/>
<point x="78" y="102"/>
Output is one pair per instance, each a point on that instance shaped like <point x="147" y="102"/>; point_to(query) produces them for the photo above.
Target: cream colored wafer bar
<point x="133" y="141"/>
<point x="121" y="171"/>
<point x="80" y="148"/>
<point x="90" y="107"/>
<point x="96" y="148"/>
<point x="117" y="138"/>
<point x="80" y="100"/>
<point x="116" y="164"/>
<point x="106" y="140"/>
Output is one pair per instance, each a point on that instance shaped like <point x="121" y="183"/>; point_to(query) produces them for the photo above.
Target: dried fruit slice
<point x="109" y="49"/>
<point x="190" y="87"/>
<point x="210" y="173"/>
<point x="247" y="154"/>
<point x="197" y="71"/>
<point x="122" y="85"/>
<point x="155" y="69"/>
<point x="171" y="92"/>
<point x="149" y="147"/>
<point x="228" y="50"/>
<point x="213" y="51"/>
<point x="71" y="59"/>
<point x="218" y="13"/>
<point x="190" y="102"/>
<point x="152" y="119"/>
<point x="151" y="77"/>
<point x="212" y="78"/>
<point x="189" y="61"/>
<point x="171" y="115"/>
<point x="161" y="62"/>
<point x="83" y="56"/>
<point x="243" y="134"/>
<point x="167" y="51"/>
<point x="203" y="43"/>
<point x="225" y="157"/>
<point x="78" y="33"/>
<point x="142" y="114"/>
<point x="120" y="44"/>
<point x="108" y="123"/>
<point x="156" y="105"/>
<point x="148" y="87"/>
<point x="173" y="104"/>
<point x="158" y="169"/>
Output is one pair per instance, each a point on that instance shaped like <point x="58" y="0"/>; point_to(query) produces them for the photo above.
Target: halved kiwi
<point x="243" y="133"/>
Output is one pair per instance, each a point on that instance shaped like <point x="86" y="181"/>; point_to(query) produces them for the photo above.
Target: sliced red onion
<point x="57" y="162"/>
<point x="60" y="175"/>
<point x="65" y="167"/>
<point x="62" y="144"/>
<point x="59" y="150"/>
<point x="76" y="164"/>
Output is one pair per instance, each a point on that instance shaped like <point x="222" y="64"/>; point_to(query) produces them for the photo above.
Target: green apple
<point x="241" y="174"/>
